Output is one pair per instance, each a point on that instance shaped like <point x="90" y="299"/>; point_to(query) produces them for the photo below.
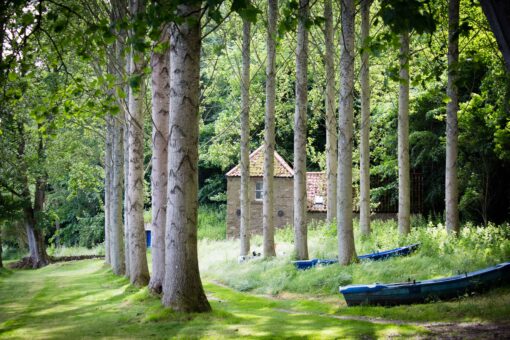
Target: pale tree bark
<point x="269" y="133"/>
<point x="331" y="122"/>
<point x="116" y="67"/>
<point x="300" y="126"/>
<point x="127" y="117"/>
<point x="139" y="271"/>
<point x="452" y="130"/>
<point x="404" y="173"/>
<point x="107" y="189"/>
<point x="127" y="248"/>
<point x="117" y="185"/>
<point x="245" y="138"/>
<point x="346" y="248"/>
<point x="182" y="287"/>
<point x="159" y="175"/>
<point x="364" y="209"/>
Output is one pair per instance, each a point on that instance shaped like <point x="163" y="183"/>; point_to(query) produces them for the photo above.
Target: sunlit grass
<point x="83" y="299"/>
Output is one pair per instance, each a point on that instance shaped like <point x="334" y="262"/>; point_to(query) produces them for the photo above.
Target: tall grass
<point x="439" y="255"/>
<point x="212" y="223"/>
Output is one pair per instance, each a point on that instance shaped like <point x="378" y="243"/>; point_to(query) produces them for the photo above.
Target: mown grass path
<point x="83" y="300"/>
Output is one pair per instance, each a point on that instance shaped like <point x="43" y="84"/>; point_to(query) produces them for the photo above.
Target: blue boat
<point x="376" y="256"/>
<point x="428" y="290"/>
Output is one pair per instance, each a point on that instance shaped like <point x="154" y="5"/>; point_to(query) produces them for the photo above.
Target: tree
<point x="159" y="177"/>
<point x="115" y="65"/>
<point x="139" y="271"/>
<point x="108" y="189"/>
<point x="404" y="171"/>
<point x="452" y="130"/>
<point x="346" y="248"/>
<point x="269" y="133"/>
<point x="364" y="209"/>
<point x="300" y="201"/>
<point x="331" y="122"/>
<point x="182" y="287"/>
<point x="245" y="138"/>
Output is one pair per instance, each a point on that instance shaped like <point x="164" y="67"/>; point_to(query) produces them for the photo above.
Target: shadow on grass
<point x="85" y="300"/>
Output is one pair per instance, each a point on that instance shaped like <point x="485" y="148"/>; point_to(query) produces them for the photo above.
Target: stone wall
<point x="283" y="213"/>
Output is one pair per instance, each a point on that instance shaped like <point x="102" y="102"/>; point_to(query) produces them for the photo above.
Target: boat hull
<point x="377" y="256"/>
<point x="425" y="291"/>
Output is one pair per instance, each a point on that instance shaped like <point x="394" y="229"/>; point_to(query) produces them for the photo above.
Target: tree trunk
<point x="182" y="288"/>
<point x="364" y="209"/>
<point x="245" y="147"/>
<point x="331" y="122"/>
<point x="346" y="248"/>
<point x="36" y="246"/>
<point x="404" y="173"/>
<point x="117" y="185"/>
<point x="107" y="189"/>
<point x="300" y="127"/>
<point x="127" y="248"/>
<point x="159" y="176"/>
<point x="139" y="271"/>
<point x="452" y="130"/>
<point x="269" y="133"/>
<point x="38" y="256"/>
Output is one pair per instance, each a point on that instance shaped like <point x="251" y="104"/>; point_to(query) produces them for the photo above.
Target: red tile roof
<point x="316" y="185"/>
<point x="281" y="168"/>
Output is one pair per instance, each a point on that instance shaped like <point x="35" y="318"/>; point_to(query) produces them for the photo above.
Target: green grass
<point x="439" y="255"/>
<point x="84" y="300"/>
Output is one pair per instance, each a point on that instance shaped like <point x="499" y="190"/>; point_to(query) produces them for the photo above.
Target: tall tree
<point x="364" y="209"/>
<point x="37" y="248"/>
<point x="404" y="171"/>
<point x="245" y="138"/>
<point x="300" y="127"/>
<point x="139" y="271"/>
<point x="115" y="65"/>
<point x="331" y="122"/>
<point x="346" y="248"/>
<point x="182" y="287"/>
<point x="159" y="177"/>
<point x="452" y="130"/>
<point x="127" y="242"/>
<point x="107" y="188"/>
<point x="269" y="133"/>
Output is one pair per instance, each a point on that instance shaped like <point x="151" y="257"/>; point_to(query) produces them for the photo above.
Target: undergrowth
<point x="439" y="255"/>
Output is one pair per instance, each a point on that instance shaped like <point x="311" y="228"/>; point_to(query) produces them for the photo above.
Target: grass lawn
<point x="83" y="299"/>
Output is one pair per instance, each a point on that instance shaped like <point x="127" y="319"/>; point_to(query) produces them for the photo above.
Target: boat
<point x="376" y="256"/>
<point x="429" y="290"/>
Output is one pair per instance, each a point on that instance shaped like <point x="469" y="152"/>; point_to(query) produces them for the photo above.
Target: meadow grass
<point x="83" y="299"/>
<point x="439" y="255"/>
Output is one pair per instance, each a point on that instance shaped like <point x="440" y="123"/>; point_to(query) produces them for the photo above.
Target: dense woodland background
<point x="56" y="95"/>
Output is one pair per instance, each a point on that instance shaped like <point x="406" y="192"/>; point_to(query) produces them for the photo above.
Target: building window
<point x="318" y="202"/>
<point x="258" y="191"/>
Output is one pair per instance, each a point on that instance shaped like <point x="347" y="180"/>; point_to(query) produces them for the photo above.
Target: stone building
<point x="283" y="192"/>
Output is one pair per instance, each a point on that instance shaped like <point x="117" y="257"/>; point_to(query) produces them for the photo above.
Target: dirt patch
<point x="468" y="331"/>
<point x="28" y="263"/>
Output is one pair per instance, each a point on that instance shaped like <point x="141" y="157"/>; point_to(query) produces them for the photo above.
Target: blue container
<point x="148" y="238"/>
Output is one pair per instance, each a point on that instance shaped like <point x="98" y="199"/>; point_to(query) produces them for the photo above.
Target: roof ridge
<point x="233" y="172"/>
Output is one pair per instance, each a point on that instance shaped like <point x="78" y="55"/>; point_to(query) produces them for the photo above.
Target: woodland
<point x="119" y="114"/>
